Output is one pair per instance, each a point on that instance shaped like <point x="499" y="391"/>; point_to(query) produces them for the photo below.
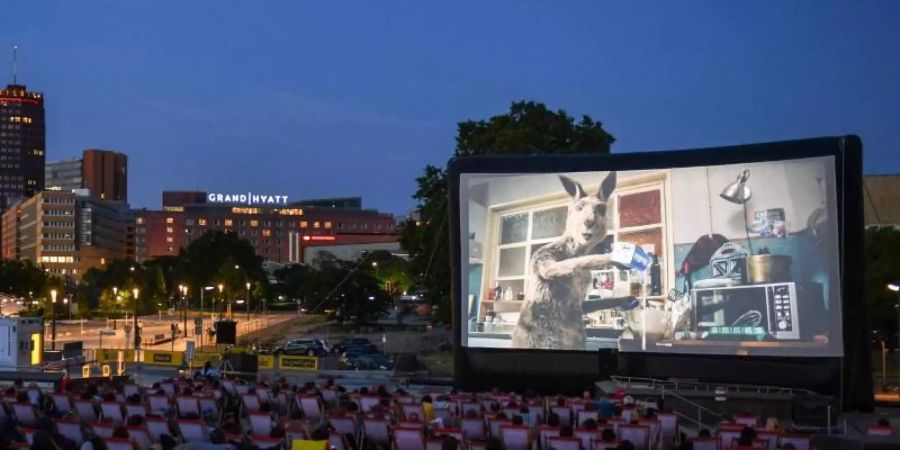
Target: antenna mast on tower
<point x="15" y="62"/>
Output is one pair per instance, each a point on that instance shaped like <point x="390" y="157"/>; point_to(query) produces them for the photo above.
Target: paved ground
<point x="111" y="334"/>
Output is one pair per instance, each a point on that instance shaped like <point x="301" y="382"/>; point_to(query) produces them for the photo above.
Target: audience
<point x="228" y="426"/>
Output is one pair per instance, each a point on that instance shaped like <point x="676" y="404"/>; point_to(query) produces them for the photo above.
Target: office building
<point x="22" y="138"/>
<point x="103" y="172"/>
<point x="66" y="233"/>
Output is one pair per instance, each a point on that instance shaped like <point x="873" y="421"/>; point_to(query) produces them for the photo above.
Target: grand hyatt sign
<point x="247" y="199"/>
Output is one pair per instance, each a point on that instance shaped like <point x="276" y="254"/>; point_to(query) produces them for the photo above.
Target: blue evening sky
<point x="328" y="98"/>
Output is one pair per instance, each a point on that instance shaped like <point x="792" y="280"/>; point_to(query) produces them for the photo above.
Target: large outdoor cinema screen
<point x="727" y="259"/>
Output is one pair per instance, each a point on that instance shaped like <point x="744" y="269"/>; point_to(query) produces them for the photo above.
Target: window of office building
<point x="201" y="222"/>
<point x="170" y="220"/>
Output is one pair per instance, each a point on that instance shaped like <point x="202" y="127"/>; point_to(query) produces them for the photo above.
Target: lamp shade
<point x="737" y="191"/>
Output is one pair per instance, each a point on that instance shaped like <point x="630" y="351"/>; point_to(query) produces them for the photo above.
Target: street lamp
<point x="53" y="320"/>
<point x="248" y="301"/>
<point x="116" y="305"/>
<point x="135" y="291"/>
<point x="221" y="296"/>
<point x="66" y="302"/>
<point x="205" y="289"/>
<point x="183" y="290"/>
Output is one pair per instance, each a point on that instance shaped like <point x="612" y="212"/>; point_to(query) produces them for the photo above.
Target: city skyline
<point x="304" y="90"/>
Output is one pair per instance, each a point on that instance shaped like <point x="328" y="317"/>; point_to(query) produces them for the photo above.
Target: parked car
<point x="373" y="362"/>
<point x="304" y="346"/>
<point x="342" y="346"/>
<point x="348" y="358"/>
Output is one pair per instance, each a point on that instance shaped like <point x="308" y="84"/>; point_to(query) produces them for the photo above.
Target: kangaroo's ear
<point x="572" y="187"/>
<point x="607" y="187"/>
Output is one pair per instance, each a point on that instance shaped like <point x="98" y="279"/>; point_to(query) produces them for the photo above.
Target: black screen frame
<point x="479" y="368"/>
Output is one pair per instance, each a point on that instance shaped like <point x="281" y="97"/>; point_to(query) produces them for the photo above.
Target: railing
<point x="699" y="386"/>
<point x="717" y="417"/>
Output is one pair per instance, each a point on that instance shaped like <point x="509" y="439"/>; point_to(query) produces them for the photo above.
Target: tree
<point x="211" y="260"/>
<point x="528" y="128"/>
<point x="882" y="260"/>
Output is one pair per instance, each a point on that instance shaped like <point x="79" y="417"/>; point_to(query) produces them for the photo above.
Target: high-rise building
<point x="106" y="174"/>
<point x="103" y="172"/>
<point x="65" y="175"/>
<point x="22" y="137"/>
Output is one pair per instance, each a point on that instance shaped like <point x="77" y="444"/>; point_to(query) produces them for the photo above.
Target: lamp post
<point x="66" y="302"/>
<point x="248" y="301"/>
<point x="222" y="297"/>
<point x="53" y="320"/>
<point x="135" y="291"/>
<point x="117" y="306"/>
<point x="205" y="288"/>
<point x="184" y="309"/>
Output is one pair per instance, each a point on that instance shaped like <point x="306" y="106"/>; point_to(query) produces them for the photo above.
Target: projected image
<point x="728" y="259"/>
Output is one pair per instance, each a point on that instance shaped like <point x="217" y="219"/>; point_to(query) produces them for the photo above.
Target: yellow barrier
<point x="112" y="355"/>
<point x="163" y="357"/>
<point x="200" y="358"/>
<point x="298" y="363"/>
<point x="265" y="361"/>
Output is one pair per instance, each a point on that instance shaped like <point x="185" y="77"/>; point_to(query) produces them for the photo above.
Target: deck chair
<point x="639" y="435"/>
<point x="71" y="429"/>
<point x="514" y="437"/>
<point x="260" y="423"/>
<point x="187" y="405"/>
<point x="563" y="443"/>
<point x="192" y="430"/>
<point x="112" y="411"/>
<point x="409" y="438"/>
<point x="117" y="443"/>
<point x="25" y="414"/>
<point x="141" y="437"/>
<point x="474" y="428"/>
<point x="62" y="403"/>
<point x="376" y="431"/>
<point x="86" y="411"/>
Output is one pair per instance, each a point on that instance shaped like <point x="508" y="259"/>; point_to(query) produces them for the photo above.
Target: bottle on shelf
<point x="498" y="292"/>
<point x="508" y="294"/>
<point x="655" y="277"/>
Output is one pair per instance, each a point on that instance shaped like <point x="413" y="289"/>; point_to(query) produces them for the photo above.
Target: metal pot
<point x="768" y="268"/>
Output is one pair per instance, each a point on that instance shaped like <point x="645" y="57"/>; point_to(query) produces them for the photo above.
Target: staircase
<point x="704" y="405"/>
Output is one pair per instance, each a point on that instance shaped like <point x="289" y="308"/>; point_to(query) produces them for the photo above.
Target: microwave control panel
<point x="782" y="309"/>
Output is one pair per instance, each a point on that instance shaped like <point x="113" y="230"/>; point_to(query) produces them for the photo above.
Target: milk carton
<point x="630" y="256"/>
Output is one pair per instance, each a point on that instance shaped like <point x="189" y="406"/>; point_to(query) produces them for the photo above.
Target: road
<point x="111" y="334"/>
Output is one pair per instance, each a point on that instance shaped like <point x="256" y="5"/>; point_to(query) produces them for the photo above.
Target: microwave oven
<point x="770" y="307"/>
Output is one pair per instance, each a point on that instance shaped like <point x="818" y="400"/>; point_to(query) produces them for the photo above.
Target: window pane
<point x="513" y="228"/>
<point x="549" y="223"/>
<point x="512" y="262"/>
<point x="638" y="209"/>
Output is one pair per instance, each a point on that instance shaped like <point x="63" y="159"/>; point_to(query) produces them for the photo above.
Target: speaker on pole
<point x="225" y="332"/>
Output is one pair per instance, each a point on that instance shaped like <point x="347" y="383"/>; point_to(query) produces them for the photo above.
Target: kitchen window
<point x="639" y="211"/>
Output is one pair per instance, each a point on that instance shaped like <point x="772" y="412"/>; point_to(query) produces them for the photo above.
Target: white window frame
<point x="631" y="185"/>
